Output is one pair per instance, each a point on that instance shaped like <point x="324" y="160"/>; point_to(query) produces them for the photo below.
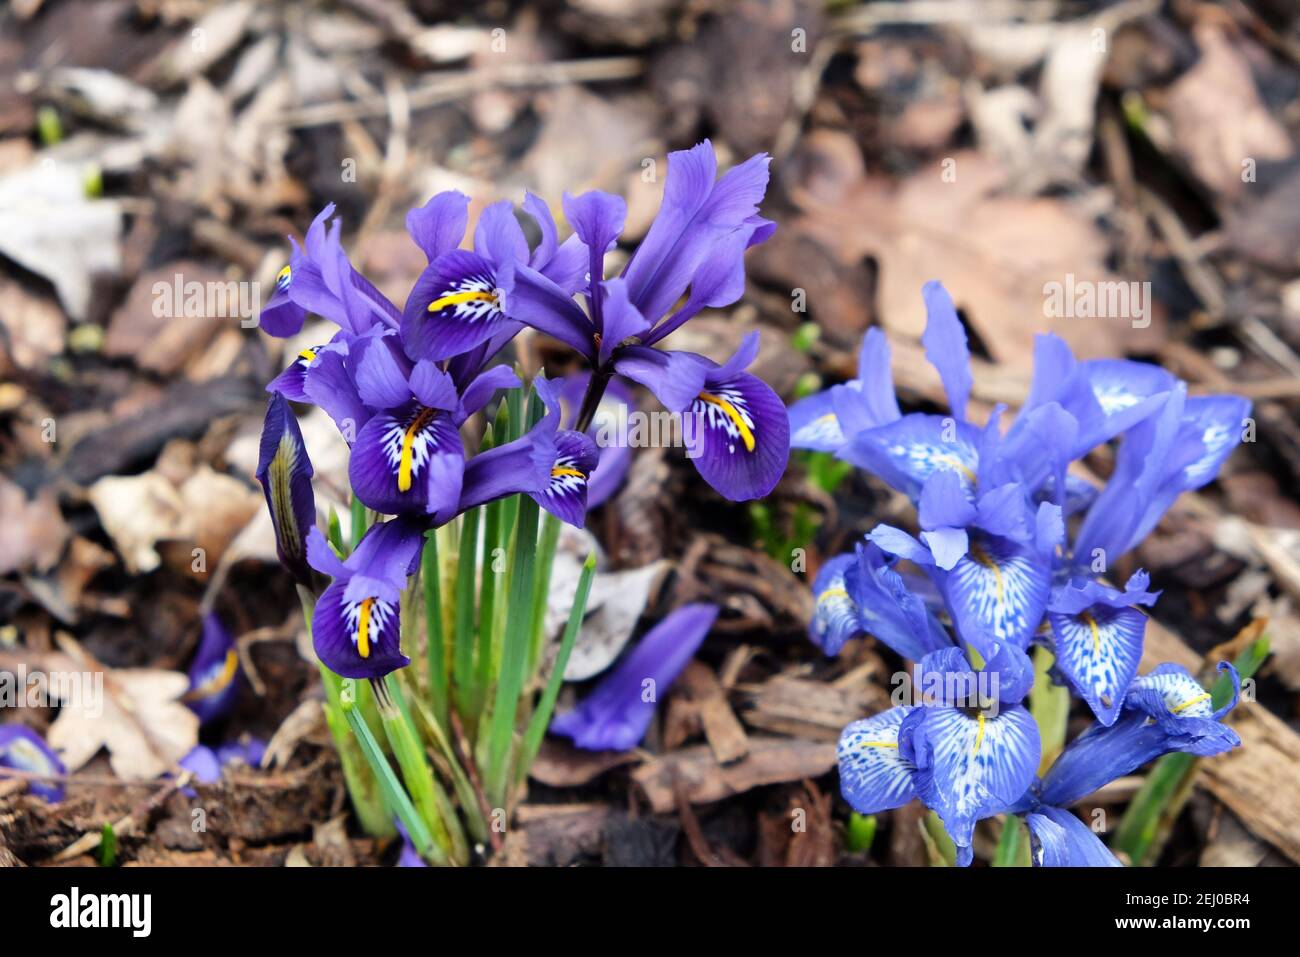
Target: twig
<point x="448" y="88"/>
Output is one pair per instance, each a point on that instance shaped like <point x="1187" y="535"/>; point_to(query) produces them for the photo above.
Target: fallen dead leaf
<point x="1218" y="119"/>
<point x="138" y="512"/>
<point x="143" y="725"/>
<point x="34" y="326"/>
<point x="163" y="343"/>
<point x="770" y="761"/>
<point x="48" y="225"/>
<point x="32" y="531"/>
<point x="994" y="252"/>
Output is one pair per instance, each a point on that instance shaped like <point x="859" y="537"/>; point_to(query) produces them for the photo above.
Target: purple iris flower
<point x="697" y="243"/>
<point x="22" y="749"/>
<point x="356" y="626"/>
<point x="968" y="751"/>
<point x="463" y="298"/>
<point x="320" y="279"/>
<point x="617" y="713"/>
<point x="214" y="672"/>
<point x="285" y="472"/>
<point x="205" y="763"/>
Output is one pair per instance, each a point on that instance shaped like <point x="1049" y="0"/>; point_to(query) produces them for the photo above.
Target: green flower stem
<point x="358" y="524"/>
<point x="514" y="658"/>
<point x="542" y="588"/>
<point x="546" y="706"/>
<point x="427" y="794"/>
<point x="487" y="603"/>
<point x="434" y="636"/>
<point x="939" y="846"/>
<point x="462" y="675"/>
<point x="1013" y="848"/>
<point x="363" y="790"/>
<point x="1050" y="705"/>
<point x="394" y="794"/>
<point x="460" y="781"/>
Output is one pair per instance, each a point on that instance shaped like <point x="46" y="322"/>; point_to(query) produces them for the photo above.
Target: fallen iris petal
<point x="214" y="672"/>
<point x="23" y="749"/>
<point x="617" y="713"/>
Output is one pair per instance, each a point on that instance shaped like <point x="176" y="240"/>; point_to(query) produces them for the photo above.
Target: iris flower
<point x="695" y="249"/>
<point x="991" y="506"/>
<point x="214" y="672"/>
<point x="968" y="751"/>
<point x="617" y="713"/>
<point x="22" y="749"/>
<point x="1166" y="710"/>
<point x="356" y="627"/>
<point x="320" y="279"/>
<point x="463" y="299"/>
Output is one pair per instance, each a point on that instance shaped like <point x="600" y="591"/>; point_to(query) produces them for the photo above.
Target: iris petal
<point x="565" y="495"/>
<point x="971" y="767"/>
<point x="874" y="775"/>
<point x="1060" y="839"/>
<point x="742" y="437"/>
<point x="396" y="452"/>
<point x="835" y="613"/>
<point x="357" y="639"/>
<point x="1098" y="651"/>
<point x="998" y="592"/>
<point x="285" y="473"/>
<point x="458" y="302"/>
<point x="908" y="451"/>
